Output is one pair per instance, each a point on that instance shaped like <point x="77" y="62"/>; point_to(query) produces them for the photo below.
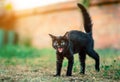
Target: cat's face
<point x="59" y="43"/>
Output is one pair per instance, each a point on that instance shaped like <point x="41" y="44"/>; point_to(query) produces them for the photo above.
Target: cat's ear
<point x="52" y="36"/>
<point x="66" y="35"/>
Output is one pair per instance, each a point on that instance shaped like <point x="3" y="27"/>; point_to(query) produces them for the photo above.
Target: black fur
<point x="75" y="42"/>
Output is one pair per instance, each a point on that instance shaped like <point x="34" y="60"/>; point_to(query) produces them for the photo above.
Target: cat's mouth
<point x="60" y="50"/>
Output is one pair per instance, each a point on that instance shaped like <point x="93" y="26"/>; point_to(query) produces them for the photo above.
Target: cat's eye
<point x="55" y="43"/>
<point x="62" y="43"/>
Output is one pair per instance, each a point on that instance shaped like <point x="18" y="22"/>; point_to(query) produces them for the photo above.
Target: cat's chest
<point x="68" y="53"/>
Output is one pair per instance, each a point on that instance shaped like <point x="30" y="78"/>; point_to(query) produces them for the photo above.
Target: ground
<point x="27" y="64"/>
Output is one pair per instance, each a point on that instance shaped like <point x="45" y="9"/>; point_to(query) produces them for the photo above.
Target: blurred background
<point x="26" y="54"/>
<point x="30" y="21"/>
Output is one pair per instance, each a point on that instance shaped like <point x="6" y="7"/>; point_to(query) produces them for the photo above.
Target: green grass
<point x="23" y="52"/>
<point x="27" y="64"/>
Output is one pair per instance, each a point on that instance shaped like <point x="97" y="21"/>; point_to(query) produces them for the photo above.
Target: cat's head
<point x="60" y="43"/>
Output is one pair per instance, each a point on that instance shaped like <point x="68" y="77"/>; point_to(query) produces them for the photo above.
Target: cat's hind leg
<point x="95" y="56"/>
<point x="82" y="58"/>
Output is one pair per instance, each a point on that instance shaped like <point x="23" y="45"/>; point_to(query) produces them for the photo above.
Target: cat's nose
<point x="58" y="46"/>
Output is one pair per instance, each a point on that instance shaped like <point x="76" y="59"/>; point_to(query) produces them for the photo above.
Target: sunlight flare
<point x="26" y="4"/>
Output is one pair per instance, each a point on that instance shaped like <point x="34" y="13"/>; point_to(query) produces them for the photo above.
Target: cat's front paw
<point x="97" y="69"/>
<point x="68" y="75"/>
<point x="56" y="75"/>
<point x="82" y="72"/>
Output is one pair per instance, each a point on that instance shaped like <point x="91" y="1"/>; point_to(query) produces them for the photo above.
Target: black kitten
<point x="75" y="42"/>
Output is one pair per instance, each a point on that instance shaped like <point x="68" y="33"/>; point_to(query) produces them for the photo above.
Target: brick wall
<point x="106" y="25"/>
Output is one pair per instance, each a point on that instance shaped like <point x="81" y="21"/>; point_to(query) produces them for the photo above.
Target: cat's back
<point x="79" y="38"/>
<point x="75" y="34"/>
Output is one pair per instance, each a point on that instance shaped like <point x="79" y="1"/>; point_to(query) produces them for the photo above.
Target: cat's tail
<point x="86" y="19"/>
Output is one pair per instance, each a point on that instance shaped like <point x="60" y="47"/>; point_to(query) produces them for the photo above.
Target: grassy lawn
<point x="27" y="64"/>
